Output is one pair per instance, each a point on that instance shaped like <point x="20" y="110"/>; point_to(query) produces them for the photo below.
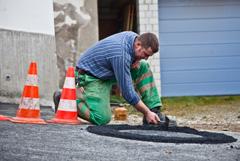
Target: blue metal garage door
<point x="199" y="47"/>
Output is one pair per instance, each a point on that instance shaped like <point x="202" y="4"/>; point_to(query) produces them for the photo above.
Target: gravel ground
<point x="198" y="122"/>
<point x="52" y="142"/>
<point x="217" y="118"/>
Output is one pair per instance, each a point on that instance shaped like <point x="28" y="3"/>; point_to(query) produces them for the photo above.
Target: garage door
<point x="199" y="47"/>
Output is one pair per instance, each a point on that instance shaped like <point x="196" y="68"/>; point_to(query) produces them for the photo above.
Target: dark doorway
<point x="115" y="16"/>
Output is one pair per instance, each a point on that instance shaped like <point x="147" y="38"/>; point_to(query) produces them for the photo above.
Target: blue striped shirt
<point x="112" y="58"/>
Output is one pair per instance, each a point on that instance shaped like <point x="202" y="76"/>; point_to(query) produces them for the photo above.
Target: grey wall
<point x="76" y="28"/>
<point x="17" y="50"/>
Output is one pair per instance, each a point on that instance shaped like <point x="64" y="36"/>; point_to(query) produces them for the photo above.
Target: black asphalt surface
<point x="164" y="134"/>
<point x="53" y="142"/>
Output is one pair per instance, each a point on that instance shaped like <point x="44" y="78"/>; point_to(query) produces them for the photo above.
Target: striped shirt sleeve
<point x="121" y="67"/>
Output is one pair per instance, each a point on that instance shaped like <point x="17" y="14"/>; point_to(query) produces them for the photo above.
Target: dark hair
<point x="149" y="40"/>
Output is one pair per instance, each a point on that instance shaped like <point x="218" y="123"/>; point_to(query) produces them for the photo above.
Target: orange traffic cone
<point x="4" y="118"/>
<point x="29" y="108"/>
<point x="67" y="108"/>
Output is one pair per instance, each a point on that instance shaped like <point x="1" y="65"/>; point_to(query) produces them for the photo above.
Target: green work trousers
<point x="94" y="104"/>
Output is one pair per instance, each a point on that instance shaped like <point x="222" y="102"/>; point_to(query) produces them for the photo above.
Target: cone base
<point x="27" y="120"/>
<point x="4" y="118"/>
<point x="64" y="121"/>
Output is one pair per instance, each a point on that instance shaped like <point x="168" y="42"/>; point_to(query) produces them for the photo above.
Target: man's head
<point x="145" y="45"/>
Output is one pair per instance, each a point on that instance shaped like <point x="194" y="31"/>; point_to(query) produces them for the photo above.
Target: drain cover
<point x="161" y="134"/>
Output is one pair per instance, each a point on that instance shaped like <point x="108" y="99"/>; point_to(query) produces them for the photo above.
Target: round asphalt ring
<point x="162" y="134"/>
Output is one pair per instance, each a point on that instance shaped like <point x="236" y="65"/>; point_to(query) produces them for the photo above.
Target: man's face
<point x="141" y="52"/>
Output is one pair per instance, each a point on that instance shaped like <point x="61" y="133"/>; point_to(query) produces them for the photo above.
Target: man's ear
<point x="138" y="43"/>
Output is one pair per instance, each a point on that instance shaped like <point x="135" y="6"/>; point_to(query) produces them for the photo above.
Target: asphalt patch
<point x="161" y="134"/>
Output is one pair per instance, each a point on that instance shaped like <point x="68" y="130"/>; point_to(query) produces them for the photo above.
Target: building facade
<point x="199" y="41"/>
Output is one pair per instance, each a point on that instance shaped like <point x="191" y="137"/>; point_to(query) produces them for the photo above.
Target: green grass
<point x="183" y="102"/>
<point x="183" y="105"/>
<point x="117" y="99"/>
<point x="121" y="100"/>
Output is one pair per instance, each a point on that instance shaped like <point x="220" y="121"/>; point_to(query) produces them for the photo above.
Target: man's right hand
<point x="152" y="118"/>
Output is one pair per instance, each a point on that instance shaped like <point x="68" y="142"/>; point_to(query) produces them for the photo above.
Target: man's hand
<point x="81" y="89"/>
<point x="152" y="118"/>
<point x="135" y="65"/>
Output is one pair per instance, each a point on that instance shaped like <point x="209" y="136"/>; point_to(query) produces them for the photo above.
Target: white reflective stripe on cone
<point x="67" y="105"/>
<point x="32" y="80"/>
<point x="29" y="103"/>
<point x="69" y="83"/>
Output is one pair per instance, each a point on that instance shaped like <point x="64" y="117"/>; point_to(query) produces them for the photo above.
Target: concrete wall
<point x="76" y="28"/>
<point x="148" y="22"/>
<point x="27" y="34"/>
